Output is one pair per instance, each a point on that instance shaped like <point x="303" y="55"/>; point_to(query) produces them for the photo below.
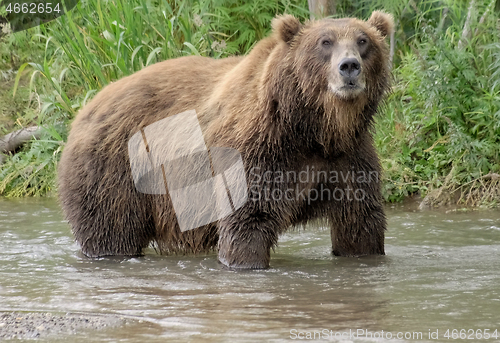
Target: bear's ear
<point x="383" y="22"/>
<point x="286" y="27"/>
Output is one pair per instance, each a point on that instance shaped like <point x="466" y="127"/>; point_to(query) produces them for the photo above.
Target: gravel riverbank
<point x="29" y="325"/>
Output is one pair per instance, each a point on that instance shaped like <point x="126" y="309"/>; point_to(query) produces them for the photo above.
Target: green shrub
<point x="441" y="127"/>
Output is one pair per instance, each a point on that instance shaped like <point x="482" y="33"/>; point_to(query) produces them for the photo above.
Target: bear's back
<point x="160" y="90"/>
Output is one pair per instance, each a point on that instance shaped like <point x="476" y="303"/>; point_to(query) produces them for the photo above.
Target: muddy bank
<point x="29" y="325"/>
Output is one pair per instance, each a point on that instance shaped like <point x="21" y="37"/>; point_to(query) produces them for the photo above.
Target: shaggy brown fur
<point x="288" y="106"/>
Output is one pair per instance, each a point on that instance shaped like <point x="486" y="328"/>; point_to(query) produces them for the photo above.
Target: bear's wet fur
<point x="302" y="100"/>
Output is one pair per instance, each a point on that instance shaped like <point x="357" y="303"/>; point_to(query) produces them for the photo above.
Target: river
<point x="441" y="273"/>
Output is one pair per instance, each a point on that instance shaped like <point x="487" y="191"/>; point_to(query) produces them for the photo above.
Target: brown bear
<point x="299" y="110"/>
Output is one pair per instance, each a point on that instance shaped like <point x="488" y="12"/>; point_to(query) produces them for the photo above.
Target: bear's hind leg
<point x="122" y="232"/>
<point x="107" y="216"/>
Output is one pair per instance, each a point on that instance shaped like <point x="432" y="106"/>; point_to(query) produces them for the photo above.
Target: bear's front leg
<point x="358" y="222"/>
<point x="245" y="241"/>
<point x="357" y="229"/>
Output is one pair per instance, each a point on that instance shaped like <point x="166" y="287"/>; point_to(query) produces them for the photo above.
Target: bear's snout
<point x="347" y="81"/>
<point x="349" y="67"/>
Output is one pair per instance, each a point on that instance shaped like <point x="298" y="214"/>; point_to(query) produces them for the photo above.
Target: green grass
<point x="101" y="41"/>
<point x="438" y="131"/>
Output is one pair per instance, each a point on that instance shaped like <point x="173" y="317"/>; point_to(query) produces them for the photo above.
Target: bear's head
<point x="339" y="66"/>
<point x="347" y="56"/>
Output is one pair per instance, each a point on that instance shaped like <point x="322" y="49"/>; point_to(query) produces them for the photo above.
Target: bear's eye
<point x="362" y="41"/>
<point x="326" y="42"/>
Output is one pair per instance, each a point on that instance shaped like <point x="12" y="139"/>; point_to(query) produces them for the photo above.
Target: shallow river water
<point x="441" y="272"/>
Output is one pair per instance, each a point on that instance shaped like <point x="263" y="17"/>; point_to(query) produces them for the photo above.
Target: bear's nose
<point x="349" y="67"/>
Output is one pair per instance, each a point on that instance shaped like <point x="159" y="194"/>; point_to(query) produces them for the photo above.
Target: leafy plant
<point x="446" y="103"/>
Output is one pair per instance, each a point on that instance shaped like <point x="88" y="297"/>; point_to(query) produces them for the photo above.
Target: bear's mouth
<point x="351" y="84"/>
<point x="348" y="89"/>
